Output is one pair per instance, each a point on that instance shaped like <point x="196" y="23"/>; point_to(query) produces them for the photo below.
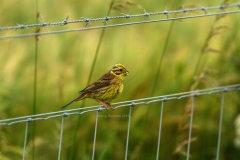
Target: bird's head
<point x="119" y="70"/>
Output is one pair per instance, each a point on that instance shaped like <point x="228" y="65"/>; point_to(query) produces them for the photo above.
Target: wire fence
<point x="129" y="104"/>
<point x="183" y="13"/>
<point x="217" y="10"/>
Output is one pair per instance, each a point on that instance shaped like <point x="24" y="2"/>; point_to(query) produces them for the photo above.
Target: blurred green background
<point x="163" y="58"/>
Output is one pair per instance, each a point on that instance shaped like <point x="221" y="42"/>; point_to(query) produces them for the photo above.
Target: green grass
<point x="64" y="66"/>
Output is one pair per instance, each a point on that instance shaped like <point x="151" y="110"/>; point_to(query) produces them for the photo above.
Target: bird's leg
<point x="104" y="104"/>
<point x="109" y="104"/>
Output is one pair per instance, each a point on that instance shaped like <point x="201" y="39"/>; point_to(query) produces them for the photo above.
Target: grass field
<point x="163" y="58"/>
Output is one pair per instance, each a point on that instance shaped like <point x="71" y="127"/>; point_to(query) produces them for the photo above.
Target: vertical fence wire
<point x="61" y="133"/>
<point x="25" y="138"/>
<point x="190" y="128"/>
<point x="160" y="129"/>
<point x="128" y="130"/>
<point x="220" y="126"/>
<point x="95" y="135"/>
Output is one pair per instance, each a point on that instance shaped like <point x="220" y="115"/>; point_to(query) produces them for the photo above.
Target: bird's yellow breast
<point x="120" y="89"/>
<point x="110" y="93"/>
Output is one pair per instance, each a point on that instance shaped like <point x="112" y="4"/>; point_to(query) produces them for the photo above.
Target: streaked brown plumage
<point x="106" y="88"/>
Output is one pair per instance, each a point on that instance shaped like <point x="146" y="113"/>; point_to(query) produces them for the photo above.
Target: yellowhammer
<point x="106" y="88"/>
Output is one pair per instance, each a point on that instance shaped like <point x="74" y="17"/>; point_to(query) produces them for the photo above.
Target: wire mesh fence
<point x="129" y="104"/>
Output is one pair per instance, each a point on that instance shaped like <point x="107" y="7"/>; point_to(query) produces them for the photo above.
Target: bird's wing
<point x="103" y="82"/>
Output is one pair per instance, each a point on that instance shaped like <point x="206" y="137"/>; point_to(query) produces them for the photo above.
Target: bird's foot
<point x="104" y="104"/>
<point x="110" y="105"/>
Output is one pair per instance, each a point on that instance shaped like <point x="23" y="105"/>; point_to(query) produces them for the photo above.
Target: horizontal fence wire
<point x="218" y="10"/>
<point x="78" y="111"/>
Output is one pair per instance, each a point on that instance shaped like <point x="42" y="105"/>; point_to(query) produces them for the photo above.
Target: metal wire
<point x="61" y="133"/>
<point x="25" y="138"/>
<point x="190" y="127"/>
<point x="124" y="16"/>
<point x="25" y="141"/>
<point x="160" y="129"/>
<point x="128" y="130"/>
<point x="95" y="134"/>
<point x="146" y="101"/>
<point x="220" y="126"/>
<point x="221" y="8"/>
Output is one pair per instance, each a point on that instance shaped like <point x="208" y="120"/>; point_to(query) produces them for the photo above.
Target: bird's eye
<point x="121" y="70"/>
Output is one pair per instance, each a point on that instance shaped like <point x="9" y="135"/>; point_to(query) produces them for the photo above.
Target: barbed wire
<point x="78" y="111"/>
<point x="106" y="19"/>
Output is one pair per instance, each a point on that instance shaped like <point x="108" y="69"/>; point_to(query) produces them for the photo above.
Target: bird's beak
<point x="126" y="73"/>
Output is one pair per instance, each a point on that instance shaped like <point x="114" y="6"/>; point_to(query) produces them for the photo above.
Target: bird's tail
<point x="76" y="99"/>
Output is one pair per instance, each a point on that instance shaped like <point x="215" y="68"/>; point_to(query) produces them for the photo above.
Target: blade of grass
<point x="74" y="144"/>
<point x="35" y="84"/>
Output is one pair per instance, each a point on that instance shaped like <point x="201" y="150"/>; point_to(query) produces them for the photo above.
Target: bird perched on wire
<point x="106" y="88"/>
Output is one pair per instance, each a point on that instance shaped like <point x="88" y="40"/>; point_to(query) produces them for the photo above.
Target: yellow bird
<point x="106" y="88"/>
